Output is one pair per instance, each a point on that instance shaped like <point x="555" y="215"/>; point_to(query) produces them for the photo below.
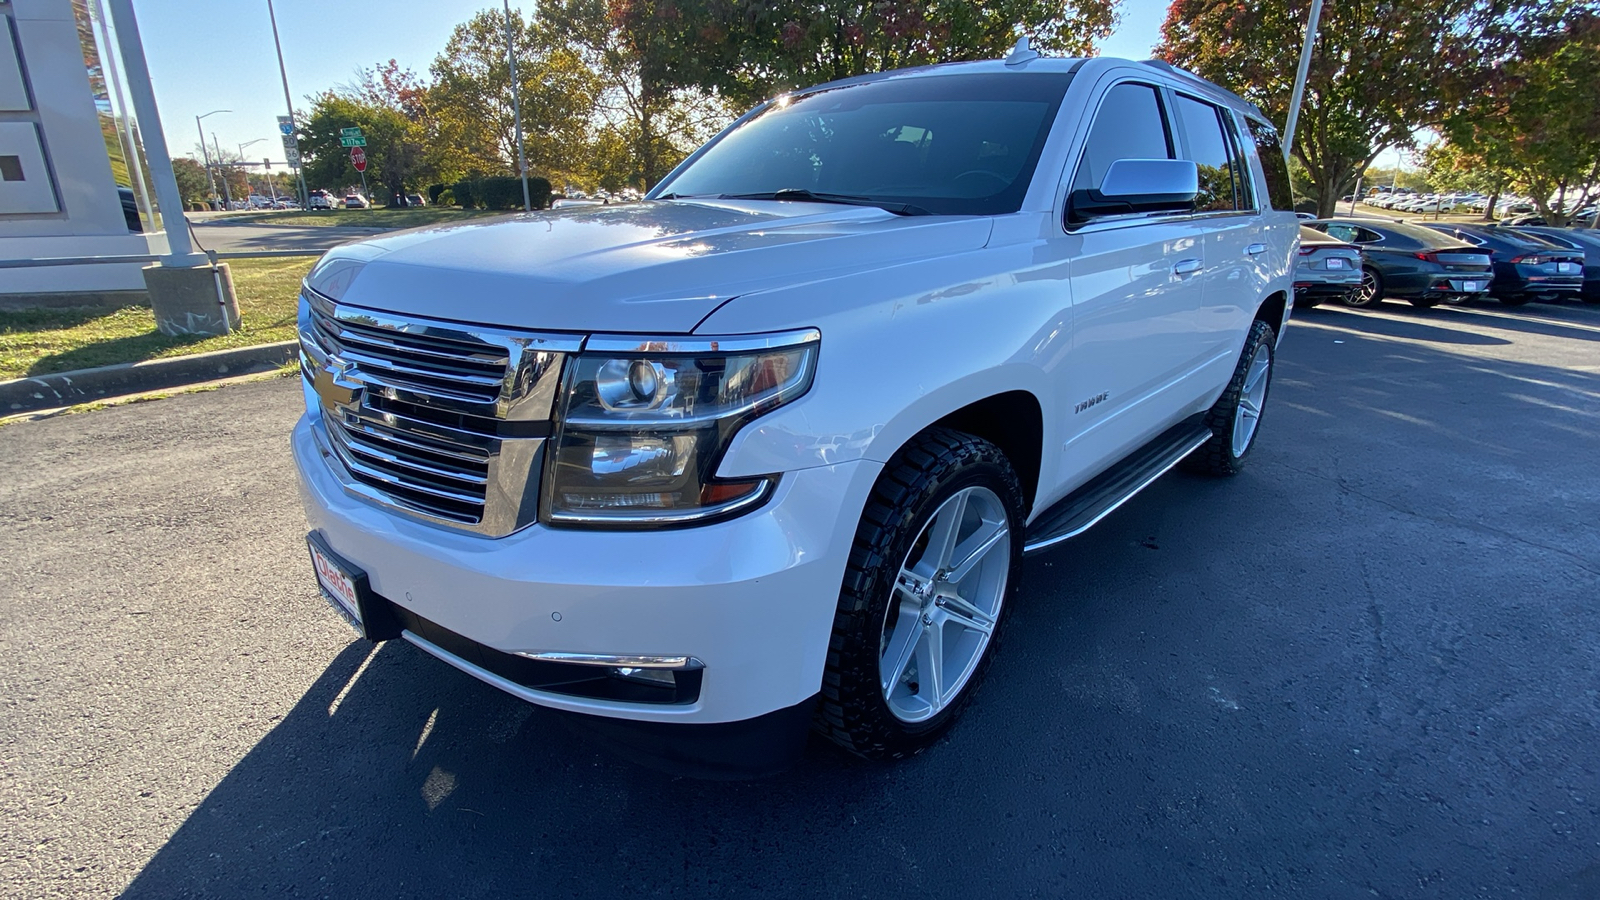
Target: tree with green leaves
<point x="1446" y="166"/>
<point x="390" y="107"/>
<point x="191" y="178"/>
<point x="471" y="99"/>
<point x="747" y="51"/>
<point x="1375" y="71"/>
<point x="1530" y="120"/>
<point x="644" y="127"/>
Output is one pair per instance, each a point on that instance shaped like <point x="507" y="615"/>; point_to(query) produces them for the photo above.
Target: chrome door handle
<point x="1255" y="249"/>
<point x="1186" y="267"/>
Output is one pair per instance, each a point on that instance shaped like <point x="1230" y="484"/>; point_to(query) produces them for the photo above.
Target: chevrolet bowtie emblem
<point x="335" y="387"/>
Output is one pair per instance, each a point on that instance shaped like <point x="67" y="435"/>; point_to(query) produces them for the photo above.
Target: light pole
<point x="289" y="102"/>
<point x="242" y="162"/>
<point x="227" y="196"/>
<point x="516" y="111"/>
<point x="210" y="181"/>
<point x="1300" y="77"/>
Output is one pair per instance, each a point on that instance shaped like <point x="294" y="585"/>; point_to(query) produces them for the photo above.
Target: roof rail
<point x="1165" y="66"/>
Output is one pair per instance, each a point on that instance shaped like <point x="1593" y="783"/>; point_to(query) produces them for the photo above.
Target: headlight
<point x="644" y="424"/>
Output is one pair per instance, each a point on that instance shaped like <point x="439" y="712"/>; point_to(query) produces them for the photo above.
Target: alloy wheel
<point x="1368" y="294"/>
<point x="1252" y="397"/>
<point x="945" y="605"/>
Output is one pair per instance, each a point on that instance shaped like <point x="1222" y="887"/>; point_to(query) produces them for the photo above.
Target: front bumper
<point x="752" y="598"/>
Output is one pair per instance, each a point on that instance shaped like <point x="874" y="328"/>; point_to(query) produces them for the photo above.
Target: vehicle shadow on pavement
<point x="1365" y="666"/>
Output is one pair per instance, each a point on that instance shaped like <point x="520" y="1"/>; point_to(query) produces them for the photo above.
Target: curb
<point x="24" y="395"/>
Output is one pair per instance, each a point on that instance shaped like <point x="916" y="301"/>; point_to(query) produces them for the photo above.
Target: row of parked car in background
<point x="1361" y="261"/>
<point x="1513" y="210"/>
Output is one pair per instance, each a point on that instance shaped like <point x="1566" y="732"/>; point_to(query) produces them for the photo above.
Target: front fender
<point x="941" y="338"/>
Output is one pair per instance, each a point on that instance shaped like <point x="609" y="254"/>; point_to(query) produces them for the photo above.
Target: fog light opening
<point x="660" y="677"/>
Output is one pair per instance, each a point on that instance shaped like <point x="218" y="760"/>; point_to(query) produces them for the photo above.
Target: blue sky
<point x="218" y="54"/>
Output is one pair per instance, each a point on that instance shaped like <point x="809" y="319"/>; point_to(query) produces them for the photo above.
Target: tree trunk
<point x="1327" y="200"/>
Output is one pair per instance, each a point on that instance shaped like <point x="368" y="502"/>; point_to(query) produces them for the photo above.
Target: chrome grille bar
<point x="441" y="421"/>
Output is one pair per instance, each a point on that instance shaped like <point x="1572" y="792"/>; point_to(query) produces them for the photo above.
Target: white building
<point x="68" y="142"/>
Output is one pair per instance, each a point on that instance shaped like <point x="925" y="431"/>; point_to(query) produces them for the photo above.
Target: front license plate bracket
<point x="371" y="617"/>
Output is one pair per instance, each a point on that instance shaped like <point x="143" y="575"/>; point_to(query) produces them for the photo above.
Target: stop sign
<point x="358" y="158"/>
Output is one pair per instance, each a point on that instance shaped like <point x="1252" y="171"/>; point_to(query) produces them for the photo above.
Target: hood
<point x="646" y="267"/>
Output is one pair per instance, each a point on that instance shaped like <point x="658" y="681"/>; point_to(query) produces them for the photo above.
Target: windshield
<point x="942" y="144"/>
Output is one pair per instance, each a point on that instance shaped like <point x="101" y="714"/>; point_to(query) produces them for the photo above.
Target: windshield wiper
<point x="804" y="196"/>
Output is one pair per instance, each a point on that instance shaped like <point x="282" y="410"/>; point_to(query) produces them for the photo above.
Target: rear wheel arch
<point x="1272" y="309"/>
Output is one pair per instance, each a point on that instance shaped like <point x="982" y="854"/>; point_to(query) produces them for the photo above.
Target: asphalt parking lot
<point x="1366" y="667"/>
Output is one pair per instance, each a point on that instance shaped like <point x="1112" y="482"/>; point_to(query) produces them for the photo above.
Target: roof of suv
<point x="1068" y="65"/>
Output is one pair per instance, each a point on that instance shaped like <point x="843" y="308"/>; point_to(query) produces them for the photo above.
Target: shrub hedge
<point x="497" y="192"/>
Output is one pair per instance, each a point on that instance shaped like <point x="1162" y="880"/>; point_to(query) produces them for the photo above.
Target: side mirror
<point x="1138" y="186"/>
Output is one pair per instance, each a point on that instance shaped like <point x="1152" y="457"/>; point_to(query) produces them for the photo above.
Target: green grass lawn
<point x="40" y="342"/>
<point x="367" y="218"/>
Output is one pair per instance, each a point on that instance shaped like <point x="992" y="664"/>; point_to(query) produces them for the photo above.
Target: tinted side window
<point x="1279" y="192"/>
<point x="1347" y="233"/>
<point x="1209" y="150"/>
<point x="1243" y="183"/>
<point x="1129" y="125"/>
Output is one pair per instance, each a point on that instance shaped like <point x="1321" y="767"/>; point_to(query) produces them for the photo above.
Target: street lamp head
<point x="212" y="113"/>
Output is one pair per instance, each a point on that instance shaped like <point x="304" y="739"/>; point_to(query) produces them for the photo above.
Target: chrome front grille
<point x="428" y="364"/>
<point x="441" y="421"/>
<point x="438" y="478"/>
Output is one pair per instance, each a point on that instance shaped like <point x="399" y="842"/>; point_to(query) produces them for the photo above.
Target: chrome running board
<point x="1080" y="510"/>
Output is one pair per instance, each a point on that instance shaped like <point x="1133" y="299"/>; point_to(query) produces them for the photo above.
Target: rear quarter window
<point x="1279" y="192"/>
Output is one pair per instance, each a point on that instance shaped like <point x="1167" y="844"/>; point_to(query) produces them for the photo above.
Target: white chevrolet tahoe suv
<point x="763" y="452"/>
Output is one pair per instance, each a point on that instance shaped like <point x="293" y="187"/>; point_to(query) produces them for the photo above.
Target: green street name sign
<point x="354" y="131"/>
<point x="356" y="140"/>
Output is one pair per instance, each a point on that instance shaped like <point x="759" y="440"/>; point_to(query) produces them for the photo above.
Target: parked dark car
<point x="1327" y="269"/>
<point x="1525" y="267"/>
<point x="1410" y="262"/>
<point x="130" y="209"/>
<point x="1583" y="240"/>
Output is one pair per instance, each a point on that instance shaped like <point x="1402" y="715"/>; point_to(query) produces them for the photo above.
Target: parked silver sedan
<point x="1326" y="269"/>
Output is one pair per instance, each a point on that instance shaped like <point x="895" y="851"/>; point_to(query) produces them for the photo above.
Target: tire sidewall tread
<point x="918" y="478"/>
<point x="1216" y="457"/>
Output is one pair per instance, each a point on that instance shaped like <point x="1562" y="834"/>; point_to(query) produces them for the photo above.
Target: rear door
<point x="1235" y="247"/>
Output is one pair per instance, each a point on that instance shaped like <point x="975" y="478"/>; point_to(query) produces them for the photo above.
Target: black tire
<point x="1217" y="456"/>
<point x="1370" y="293"/>
<point x="935" y="465"/>
<point x="1307" y="302"/>
<point x="1514" y="299"/>
<point x="1423" y="302"/>
<point x="1591" y="298"/>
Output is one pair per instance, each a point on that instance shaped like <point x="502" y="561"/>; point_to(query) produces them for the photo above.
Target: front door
<point x="1136" y="290"/>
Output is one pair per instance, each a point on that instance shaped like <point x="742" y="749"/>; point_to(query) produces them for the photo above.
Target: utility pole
<point x="516" y="111"/>
<point x="288" y="101"/>
<point x="211" y="182"/>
